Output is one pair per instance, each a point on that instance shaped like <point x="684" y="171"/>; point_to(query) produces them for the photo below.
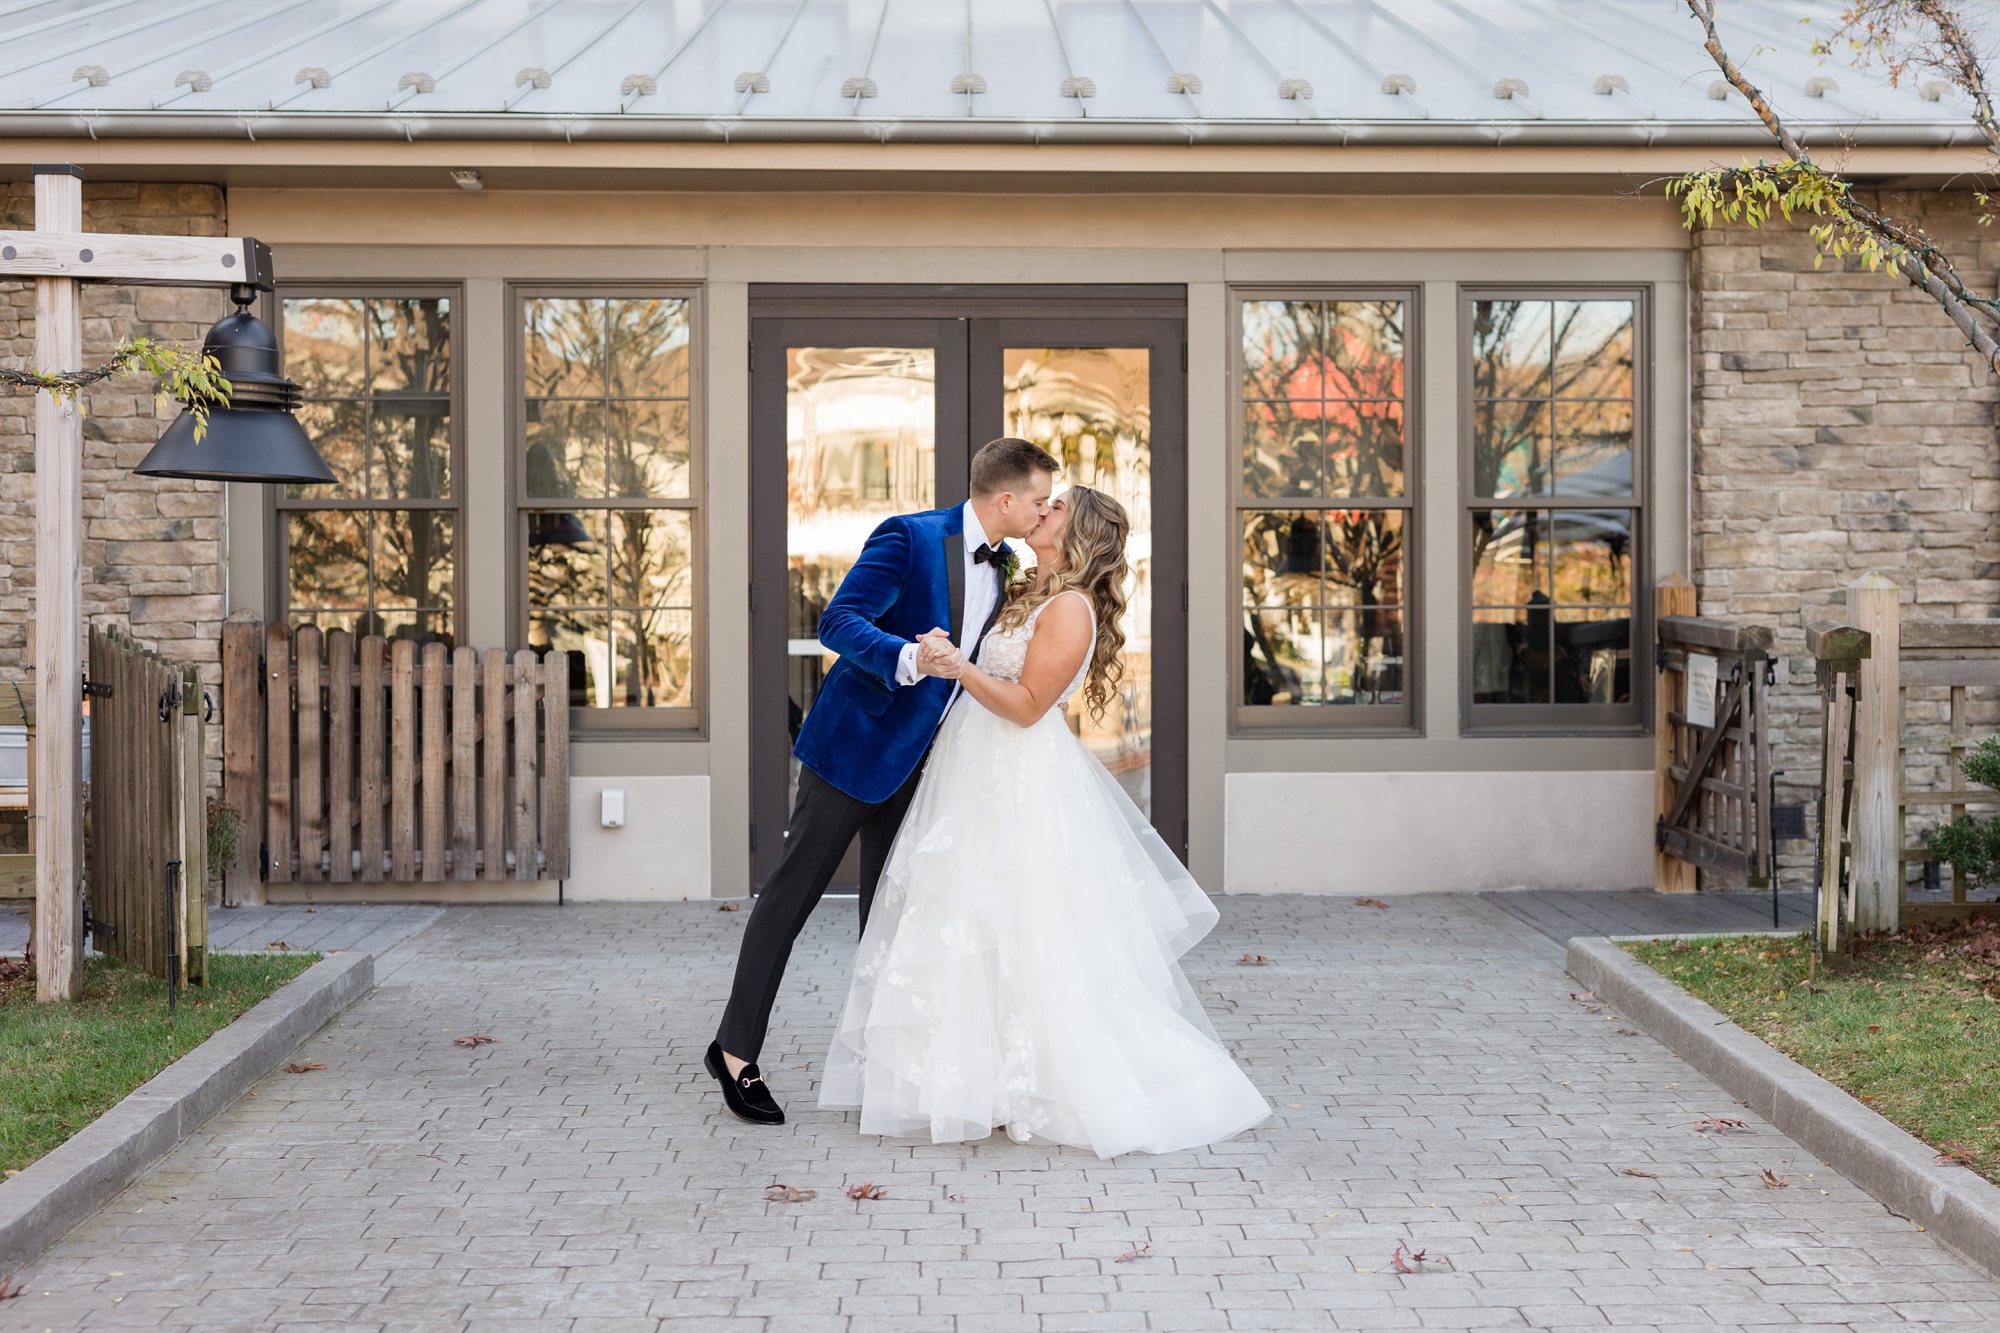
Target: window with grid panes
<point x="606" y="499"/>
<point x="1554" y="510"/>
<point x="1324" y="512"/>
<point x="375" y="552"/>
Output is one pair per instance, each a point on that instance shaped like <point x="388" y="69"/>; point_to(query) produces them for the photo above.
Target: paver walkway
<point x="356" y="928"/>
<point x="1562" y="913"/>
<point x="1434" y="1087"/>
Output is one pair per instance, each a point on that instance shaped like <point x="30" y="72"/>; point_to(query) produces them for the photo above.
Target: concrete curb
<point x="55" y="1193"/>
<point x="1956" y="1205"/>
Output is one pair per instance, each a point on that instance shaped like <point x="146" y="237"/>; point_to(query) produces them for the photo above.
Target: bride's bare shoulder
<point x="1070" y="609"/>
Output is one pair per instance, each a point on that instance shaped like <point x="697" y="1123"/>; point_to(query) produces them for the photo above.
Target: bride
<point x="1020" y="965"/>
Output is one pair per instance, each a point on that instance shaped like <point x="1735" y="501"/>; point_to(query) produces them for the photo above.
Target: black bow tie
<point x="987" y="555"/>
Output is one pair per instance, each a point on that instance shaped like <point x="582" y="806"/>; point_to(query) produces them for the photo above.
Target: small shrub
<point x="1970" y="844"/>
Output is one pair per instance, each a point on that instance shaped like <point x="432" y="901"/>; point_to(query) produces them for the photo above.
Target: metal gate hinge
<point x="92" y="689"/>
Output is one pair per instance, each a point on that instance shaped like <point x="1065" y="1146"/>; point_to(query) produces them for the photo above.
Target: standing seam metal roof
<point x="1325" y="71"/>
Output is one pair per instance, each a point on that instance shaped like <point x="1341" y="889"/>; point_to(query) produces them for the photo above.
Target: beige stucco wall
<point x="1207" y="244"/>
<point x="986" y="220"/>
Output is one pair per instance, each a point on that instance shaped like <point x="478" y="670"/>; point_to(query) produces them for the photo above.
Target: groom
<point x="863" y="745"/>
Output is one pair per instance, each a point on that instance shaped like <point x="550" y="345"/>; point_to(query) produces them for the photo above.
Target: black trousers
<point x="824" y="821"/>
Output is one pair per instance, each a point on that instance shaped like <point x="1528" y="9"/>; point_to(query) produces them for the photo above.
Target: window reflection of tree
<point x="1326" y="382"/>
<point x="379" y="567"/>
<point x="606" y="380"/>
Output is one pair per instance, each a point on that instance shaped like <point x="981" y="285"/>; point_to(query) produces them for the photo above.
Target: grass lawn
<point x="1909" y="1024"/>
<point x="63" y="1065"/>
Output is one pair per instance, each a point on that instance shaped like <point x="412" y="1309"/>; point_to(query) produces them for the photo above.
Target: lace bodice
<point x="1004" y="653"/>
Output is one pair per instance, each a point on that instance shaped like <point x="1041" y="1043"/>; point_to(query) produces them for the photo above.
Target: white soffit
<point x="1281" y="71"/>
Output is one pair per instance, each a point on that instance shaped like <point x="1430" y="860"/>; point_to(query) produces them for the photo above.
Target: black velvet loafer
<point x="745" y="1095"/>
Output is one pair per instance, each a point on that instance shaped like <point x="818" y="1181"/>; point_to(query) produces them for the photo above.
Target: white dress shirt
<point x="982" y="591"/>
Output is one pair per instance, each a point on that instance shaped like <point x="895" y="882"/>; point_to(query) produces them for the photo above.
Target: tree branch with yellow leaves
<point x="193" y="379"/>
<point x="1798" y="186"/>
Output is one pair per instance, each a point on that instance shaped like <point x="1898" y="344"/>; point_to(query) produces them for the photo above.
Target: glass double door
<point x="854" y="420"/>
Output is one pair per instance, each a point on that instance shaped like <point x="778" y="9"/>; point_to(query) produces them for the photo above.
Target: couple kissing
<point x="1021" y="922"/>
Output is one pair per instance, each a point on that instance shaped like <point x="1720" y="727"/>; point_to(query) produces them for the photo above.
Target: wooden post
<point x="1675" y="596"/>
<point x="277" y="754"/>
<point x="58" y="831"/>
<point x="243" y="754"/>
<point x="192" y="906"/>
<point x="1878" y="760"/>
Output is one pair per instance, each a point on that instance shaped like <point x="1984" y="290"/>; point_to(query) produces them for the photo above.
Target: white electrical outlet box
<point x="611" y="807"/>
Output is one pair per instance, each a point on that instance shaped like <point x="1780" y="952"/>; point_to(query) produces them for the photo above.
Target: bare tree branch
<point x="1751" y="191"/>
<point x="1875" y="28"/>
<point x="1704" y="12"/>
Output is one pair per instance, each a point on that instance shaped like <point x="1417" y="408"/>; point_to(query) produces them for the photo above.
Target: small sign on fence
<point x="1700" y="711"/>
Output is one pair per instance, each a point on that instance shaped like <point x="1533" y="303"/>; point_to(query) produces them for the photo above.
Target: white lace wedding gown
<point x="1020" y="962"/>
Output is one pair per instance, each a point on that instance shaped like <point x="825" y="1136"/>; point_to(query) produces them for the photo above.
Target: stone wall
<point x="153" y="550"/>
<point x="1840" y="425"/>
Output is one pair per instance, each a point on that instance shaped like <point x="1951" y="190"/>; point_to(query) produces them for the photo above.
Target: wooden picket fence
<point x="383" y="761"/>
<point x="148" y="825"/>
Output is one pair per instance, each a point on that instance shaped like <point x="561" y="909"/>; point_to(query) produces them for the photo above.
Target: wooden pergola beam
<point x="58" y="768"/>
<point x="204" y="261"/>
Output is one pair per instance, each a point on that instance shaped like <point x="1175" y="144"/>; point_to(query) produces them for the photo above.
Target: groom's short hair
<point x="1007" y="464"/>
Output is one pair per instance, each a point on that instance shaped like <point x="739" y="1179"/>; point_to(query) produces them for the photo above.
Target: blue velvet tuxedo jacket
<point x="866" y="734"/>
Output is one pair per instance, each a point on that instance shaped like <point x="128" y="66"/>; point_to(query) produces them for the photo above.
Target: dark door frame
<point x="770" y="733"/>
<point x="1164" y="340"/>
<point x="969" y="326"/>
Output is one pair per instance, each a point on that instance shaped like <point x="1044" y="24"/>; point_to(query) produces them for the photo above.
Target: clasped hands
<point x="937" y="655"/>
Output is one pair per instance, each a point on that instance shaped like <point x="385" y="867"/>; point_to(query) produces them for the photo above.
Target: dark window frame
<point x="1399" y="720"/>
<point x="1553" y="719"/>
<point x="676" y="723"/>
<point x="277" y="504"/>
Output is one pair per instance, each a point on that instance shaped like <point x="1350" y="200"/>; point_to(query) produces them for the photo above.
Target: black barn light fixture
<point x="254" y="438"/>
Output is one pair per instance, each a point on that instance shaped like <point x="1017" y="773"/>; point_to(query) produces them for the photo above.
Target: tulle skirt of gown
<point x="1020" y="965"/>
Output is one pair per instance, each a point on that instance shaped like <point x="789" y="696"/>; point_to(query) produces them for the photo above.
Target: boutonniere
<point x="1010" y="568"/>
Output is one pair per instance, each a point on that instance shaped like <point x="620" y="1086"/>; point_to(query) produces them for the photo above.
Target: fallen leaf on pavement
<point x="1136" y="1252"/>
<point x="868" y="1191"/>
<point x="1252" y="960"/>
<point x="954" y="1198"/>
<point x="476" y="1039"/>
<point x="304" y="1067"/>
<point x="9" y="1289"/>
<point x="1719" y="1124"/>
<point x="1635" y="1171"/>
<point x="311" y="910"/>
<point x="1581" y="995"/>
<point x="279" y="944"/>
<point x="786" y="1194"/>
<point x="728" y="907"/>
<point x="1371" y="902"/>
<point x="1773" y="1181"/>
<point x="805" y="1066"/>
<point x="1414" y="1263"/>
<point x="1628" y="1032"/>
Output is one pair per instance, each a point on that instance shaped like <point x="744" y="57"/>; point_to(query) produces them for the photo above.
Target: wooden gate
<point x="148" y="827"/>
<point x="382" y="761"/>
<point x="1713" y="748"/>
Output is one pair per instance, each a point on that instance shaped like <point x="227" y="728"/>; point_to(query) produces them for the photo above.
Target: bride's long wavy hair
<point x="1093" y="563"/>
